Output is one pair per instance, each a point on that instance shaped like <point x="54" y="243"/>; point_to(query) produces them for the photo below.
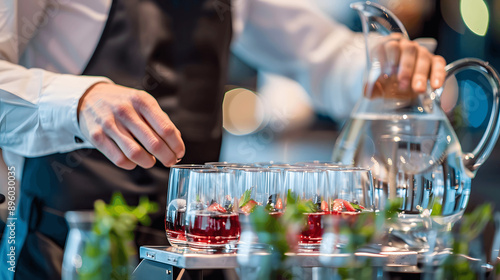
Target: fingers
<point x="407" y="68"/>
<point x="130" y="148"/>
<point x="438" y="73"/>
<point x="104" y="144"/>
<point x="416" y="66"/>
<point x="162" y="125"/>
<point x="149" y="139"/>
<point x="422" y="70"/>
<point x="129" y="127"/>
<point x="392" y="53"/>
<point x="409" y="52"/>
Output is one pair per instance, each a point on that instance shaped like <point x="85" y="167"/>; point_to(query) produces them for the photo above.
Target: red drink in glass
<point x="313" y="231"/>
<point x="207" y="229"/>
<point x="345" y="218"/>
<point x="175" y="229"/>
<point x="311" y="235"/>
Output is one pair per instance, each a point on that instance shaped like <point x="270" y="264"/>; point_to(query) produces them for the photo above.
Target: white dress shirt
<point x="46" y="44"/>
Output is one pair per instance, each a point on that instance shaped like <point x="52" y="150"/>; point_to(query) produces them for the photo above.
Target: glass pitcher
<point x="406" y="139"/>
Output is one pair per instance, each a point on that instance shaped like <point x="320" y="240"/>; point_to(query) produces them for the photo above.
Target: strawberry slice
<point x="324" y="206"/>
<point x="279" y="204"/>
<point x="338" y="205"/>
<point x="216" y="207"/>
<point x="248" y="207"/>
<point x="348" y="206"/>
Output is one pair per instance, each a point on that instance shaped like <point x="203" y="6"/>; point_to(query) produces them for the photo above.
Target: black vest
<point x="177" y="50"/>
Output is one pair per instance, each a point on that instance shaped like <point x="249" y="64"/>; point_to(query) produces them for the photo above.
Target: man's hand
<point x="406" y="67"/>
<point x="129" y="127"/>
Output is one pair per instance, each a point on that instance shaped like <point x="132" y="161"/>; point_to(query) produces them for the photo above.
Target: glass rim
<point x="212" y="170"/>
<point x="331" y="167"/>
<point x="269" y="163"/>
<point x="189" y="165"/>
<point x="348" y="169"/>
<point x="227" y="164"/>
<point x="308" y="169"/>
<point x="217" y="162"/>
<point x="238" y="167"/>
<point x="283" y="166"/>
<point x="319" y="163"/>
<point x="258" y="169"/>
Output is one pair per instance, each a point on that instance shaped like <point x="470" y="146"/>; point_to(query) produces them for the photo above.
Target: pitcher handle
<point x="478" y="156"/>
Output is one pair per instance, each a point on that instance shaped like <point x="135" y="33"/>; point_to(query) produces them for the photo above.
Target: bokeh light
<point x="475" y="15"/>
<point x="450" y="10"/>
<point x="243" y="111"/>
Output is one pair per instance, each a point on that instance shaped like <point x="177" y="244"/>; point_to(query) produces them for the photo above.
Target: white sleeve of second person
<point x="38" y="108"/>
<point x="295" y="39"/>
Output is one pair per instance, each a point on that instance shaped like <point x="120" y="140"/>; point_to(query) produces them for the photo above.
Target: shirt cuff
<point x="58" y="103"/>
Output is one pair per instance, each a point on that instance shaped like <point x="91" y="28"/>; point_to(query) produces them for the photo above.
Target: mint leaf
<point x="107" y="253"/>
<point x="307" y="206"/>
<point x="474" y="223"/>
<point x="245" y="198"/>
<point x="291" y="197"/>
<point x="269" y="207"/>
<point x="356" y="206"/>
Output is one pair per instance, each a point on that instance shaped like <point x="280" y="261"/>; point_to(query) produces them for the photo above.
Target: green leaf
<point x="106" y="254"/>
<point x="475" y="222"/>
<point x="306" y="206"/>
<point x="356" y="206"/>
<point x="245" y="198"/>
<point x="269" y="207"/>
<point x="291" y="198"/>
<point x="470" y="227"/>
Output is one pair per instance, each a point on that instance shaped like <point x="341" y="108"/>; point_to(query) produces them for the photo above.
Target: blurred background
<point x="270" y="117"/>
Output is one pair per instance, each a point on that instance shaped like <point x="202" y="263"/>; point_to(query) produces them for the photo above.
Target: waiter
<point x="175" y="50"/>
<point x="98" y="96"/>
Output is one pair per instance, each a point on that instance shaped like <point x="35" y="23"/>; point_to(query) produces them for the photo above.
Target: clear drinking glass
<point x="352" y="195"/>
<point x="256" y="186"/>
<point x="310" y="184"/>
<point x="281" y="167"/>
<point x="353" y="186"/>
<point x="175" y="215"/>
<point x="260" y="186"/>
<point x="212" y="222"/>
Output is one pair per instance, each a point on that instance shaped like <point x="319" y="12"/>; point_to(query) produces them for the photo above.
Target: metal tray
<point x="191" y="259"/>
